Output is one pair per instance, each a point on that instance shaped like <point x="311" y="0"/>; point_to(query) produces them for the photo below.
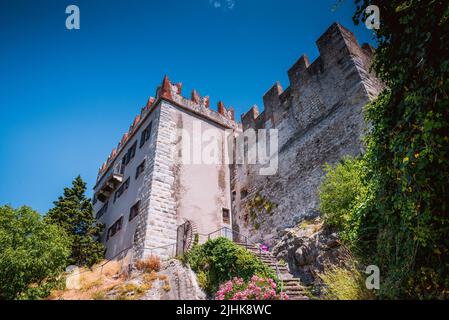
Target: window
<point x="116" y="227"/>
<point x="145" y="136"/>
<point x="134" y="211"/>
<point x="121" y="189"/>
<point x="243" y="193"/>
<point x="94" y="200"/>
<point x="233" y="196"/>
<point x="130" y="154"/>
<point x="140" y="169"/>
<point x="102" y="211"/>
<point x="226" y="216"/>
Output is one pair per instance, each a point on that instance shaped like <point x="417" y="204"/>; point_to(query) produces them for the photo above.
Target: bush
<point x="345" y="281"/>
<point x="152" y="263"/>
<point x="220" y="260"/>
<point x="33" y="254"/>
<point x="341" y="190"/>
<point x="256" y="289"/>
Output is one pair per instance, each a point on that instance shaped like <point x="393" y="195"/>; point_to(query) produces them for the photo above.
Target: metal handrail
<point x="160" y="247"/>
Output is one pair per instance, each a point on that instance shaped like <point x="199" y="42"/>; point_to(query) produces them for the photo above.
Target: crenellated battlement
<point x="340" y="54"/>
<point x="173" y="93"/>
<point x="314" y="88"/>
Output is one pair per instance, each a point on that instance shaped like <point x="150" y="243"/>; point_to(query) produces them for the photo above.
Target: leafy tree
<point x="33" y="254"/>
<point x="74" y="213"/>
<point x="408" y="148"/>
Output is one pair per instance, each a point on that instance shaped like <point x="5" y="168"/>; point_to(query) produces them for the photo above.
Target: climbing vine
<point x="408" y="149"/>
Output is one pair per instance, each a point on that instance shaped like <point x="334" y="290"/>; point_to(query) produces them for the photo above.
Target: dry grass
<point x="345" y="282"/>
<point x="149" y="277"/>
<point x="107" y="281"/>
<point x="93" y="283"/>
<point x="130" y="291"/>
<point x="112" y="268"/>
<point x="152" y="263"/>
<point x="163" y="277"/>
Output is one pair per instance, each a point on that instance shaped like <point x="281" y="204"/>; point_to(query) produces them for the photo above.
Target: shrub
<point x="345" y="281"/>
<point x="150" y="277"/>
<point x="343" y="195"/>
<point x="33" y="254"/>
<point x="220" y="260"/>
<point x="257" y="288"/>
<point x="166" y="287"/>
<point x="152" y="263"/>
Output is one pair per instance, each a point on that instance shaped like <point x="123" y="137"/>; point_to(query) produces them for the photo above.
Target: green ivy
<point x="408" y="149"/>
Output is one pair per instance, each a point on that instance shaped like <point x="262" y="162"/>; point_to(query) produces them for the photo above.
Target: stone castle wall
<point x="320" y="119"/>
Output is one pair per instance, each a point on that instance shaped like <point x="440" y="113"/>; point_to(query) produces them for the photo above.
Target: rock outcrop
<point x="307" y="248"/>
<point x="180" y="284"/>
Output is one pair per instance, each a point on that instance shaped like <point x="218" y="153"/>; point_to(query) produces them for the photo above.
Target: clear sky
<point x="67" y="97"/>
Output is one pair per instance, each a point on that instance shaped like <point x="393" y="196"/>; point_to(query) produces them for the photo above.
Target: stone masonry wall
<point x="320" y="119"/>
<point x="160" y="223"/>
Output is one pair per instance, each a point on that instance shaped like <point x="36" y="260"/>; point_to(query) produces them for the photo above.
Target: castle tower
<point x="152" y="183"/>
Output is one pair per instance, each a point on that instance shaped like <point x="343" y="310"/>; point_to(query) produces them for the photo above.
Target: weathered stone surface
<point x="182" y="284"/>
<point x="307" y="248"/>
<point x="319" y="118"/>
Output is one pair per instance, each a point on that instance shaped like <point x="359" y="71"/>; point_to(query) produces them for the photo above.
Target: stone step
<point x="293" y="280"/>
<point x="293" y="289"/>
<point x="291" y="286"/>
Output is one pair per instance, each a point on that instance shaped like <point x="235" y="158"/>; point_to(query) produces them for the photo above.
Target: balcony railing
<point x="110" y="182"/>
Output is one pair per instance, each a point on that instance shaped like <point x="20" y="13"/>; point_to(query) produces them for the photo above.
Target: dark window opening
<point x="134" y="211"/>
<point x="121" y="189"/>
<point x="116" y="227"/>
<point x="130" y="154"/>
<point x="145" y="136"/>
<point x="226" y="216"/>
<point x="140" y="169"/>
<point x="102" y="211"/>
<point x="243" y="193"/>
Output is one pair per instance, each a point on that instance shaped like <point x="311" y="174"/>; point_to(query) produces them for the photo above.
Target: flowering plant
<point x="257" y="288"/>
<point x="264" y="247"/>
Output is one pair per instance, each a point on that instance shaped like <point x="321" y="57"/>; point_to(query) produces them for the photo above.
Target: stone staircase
<point x="290" y="285"/>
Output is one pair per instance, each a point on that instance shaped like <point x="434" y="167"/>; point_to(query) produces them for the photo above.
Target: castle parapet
<point x="340" y="54"/>
<point x="173" y="93"/>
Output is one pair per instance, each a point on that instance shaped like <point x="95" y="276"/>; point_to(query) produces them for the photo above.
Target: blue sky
<point x="67" y="97"/>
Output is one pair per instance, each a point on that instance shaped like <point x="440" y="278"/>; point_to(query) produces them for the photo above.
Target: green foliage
<point x="33" y="254"/>
<point x="74" y="213"/>
<point x="220" y="260"/>
<point x="345" y="282"/>
<point x="408" y="149"/>
<point x="343" y="195"/>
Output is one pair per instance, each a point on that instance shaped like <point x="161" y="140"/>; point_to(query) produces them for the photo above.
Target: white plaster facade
<point x="170" y="191"/>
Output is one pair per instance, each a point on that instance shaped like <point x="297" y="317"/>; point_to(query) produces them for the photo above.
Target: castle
<point x="148" y="196"/>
